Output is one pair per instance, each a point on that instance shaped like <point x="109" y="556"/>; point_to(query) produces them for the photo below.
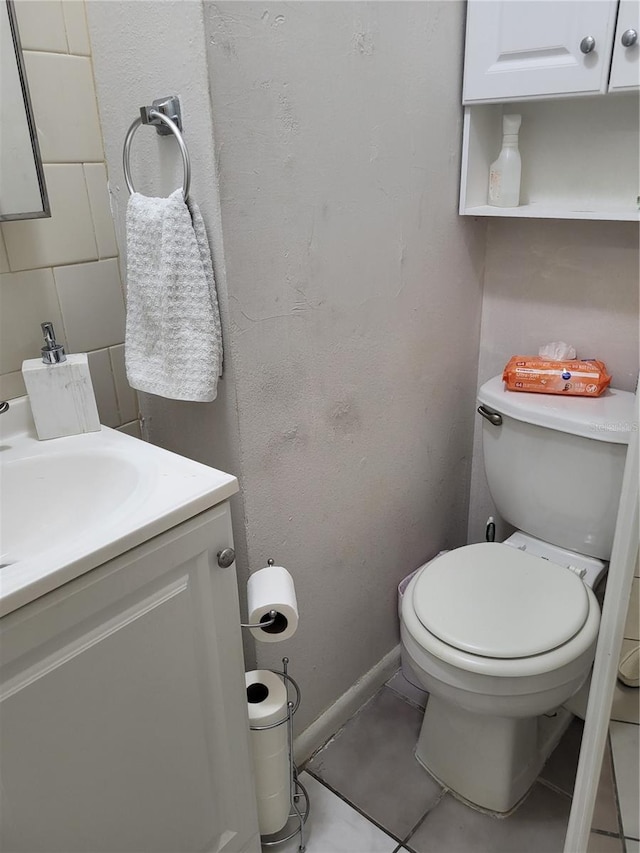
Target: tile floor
<point x="369" y="795"/>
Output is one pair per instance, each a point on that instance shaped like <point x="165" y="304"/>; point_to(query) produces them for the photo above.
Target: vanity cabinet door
<point x="517" y="49"/>
<point x="123" y="718"/>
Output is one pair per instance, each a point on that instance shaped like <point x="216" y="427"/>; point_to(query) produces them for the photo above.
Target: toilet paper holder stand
<point x="296" y="788"/>
<point x="263" y="623"/>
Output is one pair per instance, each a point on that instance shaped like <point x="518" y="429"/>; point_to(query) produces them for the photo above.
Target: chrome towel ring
<point x="164" y="114"/>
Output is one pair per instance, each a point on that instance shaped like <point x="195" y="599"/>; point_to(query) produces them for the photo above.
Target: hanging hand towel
<point x="173" y="342"/>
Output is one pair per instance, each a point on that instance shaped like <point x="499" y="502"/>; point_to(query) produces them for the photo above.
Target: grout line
<point x="405" y="698"/>
<point x="355" y="807"/>
<point x="443" y="794"/>
<point x="551" y="787"/>
<point x="604" y="832"/>
<point x="614" y="776"/>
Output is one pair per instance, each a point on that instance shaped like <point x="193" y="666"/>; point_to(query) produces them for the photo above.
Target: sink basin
<point x="97" y="488"/>
<point x="70" y="504"/>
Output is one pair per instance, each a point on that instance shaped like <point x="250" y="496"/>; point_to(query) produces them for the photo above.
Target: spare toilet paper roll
<point x="266" y="704"/>
<point x="272" y="589"/>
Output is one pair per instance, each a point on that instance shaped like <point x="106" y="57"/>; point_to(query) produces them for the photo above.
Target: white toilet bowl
<point x="500" y="639"/>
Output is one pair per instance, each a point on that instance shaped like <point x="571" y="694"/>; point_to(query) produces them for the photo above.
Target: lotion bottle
<point x="504" y="174"/>
<point x="60" y="390"/>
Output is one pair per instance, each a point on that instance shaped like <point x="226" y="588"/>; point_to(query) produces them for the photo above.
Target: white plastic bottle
<point x="504" y="174"/>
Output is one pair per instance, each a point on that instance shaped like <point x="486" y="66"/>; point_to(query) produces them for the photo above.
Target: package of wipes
<point x="536" y="374"/>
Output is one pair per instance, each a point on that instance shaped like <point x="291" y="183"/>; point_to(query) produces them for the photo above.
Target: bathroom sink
<point x="70" y="504"/>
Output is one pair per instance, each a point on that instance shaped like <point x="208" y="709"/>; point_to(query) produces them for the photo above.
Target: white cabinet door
<point x="123" y="707"/>
<point x="625" y="67"/>
<point x="518" y="49"/>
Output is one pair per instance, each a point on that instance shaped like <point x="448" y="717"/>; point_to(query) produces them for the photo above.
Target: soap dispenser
<point x="60" y="390"/>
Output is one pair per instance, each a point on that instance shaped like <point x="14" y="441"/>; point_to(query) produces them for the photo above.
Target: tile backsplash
<point x="65" y="268"/>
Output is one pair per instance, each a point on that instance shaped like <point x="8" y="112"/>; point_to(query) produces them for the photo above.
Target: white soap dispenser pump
<point x="60" y="390"/>
<point x="504" y="174"/>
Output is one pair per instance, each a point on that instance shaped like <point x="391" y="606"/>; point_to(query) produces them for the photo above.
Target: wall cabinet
<point x="536" y="49"/>
<point x="123" y="706"/>
<point x="580" y="154"/>
<point x="625" y="66"/>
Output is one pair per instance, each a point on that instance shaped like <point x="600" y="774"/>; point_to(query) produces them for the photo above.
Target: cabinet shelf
<point x="550" y="211"/>
<point x="579" y="158"/>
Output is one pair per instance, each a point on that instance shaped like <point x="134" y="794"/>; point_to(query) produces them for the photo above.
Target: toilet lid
<point x="493" y="600"/>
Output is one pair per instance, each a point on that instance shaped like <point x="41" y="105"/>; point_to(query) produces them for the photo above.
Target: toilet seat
<point x="501" y="667"/>
<point x="498" y="602"/>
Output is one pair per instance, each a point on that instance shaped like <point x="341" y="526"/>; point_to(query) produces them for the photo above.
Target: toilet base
<point x="489" y="761"/>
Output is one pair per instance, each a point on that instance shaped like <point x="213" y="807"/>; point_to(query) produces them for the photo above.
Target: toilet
<point x="502" y="635"/>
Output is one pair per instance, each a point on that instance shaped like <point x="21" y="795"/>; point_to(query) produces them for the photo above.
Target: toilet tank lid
<point x="610" y="417"/>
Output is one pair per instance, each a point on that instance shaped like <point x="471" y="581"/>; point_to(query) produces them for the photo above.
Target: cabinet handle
<point x="629" y="38"/>
<point x="226" y="557"/>
<point x="587" y="44"/>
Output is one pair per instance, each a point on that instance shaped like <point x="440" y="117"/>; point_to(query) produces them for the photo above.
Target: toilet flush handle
<point x="494" y="418"/>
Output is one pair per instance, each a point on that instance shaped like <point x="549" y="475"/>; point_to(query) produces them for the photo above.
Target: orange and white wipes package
<point x="534" y="374"/>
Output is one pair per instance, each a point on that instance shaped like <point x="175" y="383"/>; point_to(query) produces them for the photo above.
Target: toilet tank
<point x="554" y="465"/>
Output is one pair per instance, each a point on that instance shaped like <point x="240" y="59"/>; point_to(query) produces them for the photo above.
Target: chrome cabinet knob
<point x="587" y="44"/>
<point x="226" y="557"/>
<point x="629" y="38"/>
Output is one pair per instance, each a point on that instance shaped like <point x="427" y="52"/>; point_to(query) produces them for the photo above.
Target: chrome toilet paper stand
<point x="297" y="817"/>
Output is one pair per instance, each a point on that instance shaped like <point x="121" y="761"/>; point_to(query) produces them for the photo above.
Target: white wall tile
<point x="103" y="387"/>
<point x="41" y="25"/>
<point x="98" y="190"/>
<point x="64" y="106"/>
<point x="625" y="747"/>
<point x="4" y="260"/>
<point x="92" y="304"/>
<point x="127" y="397"/>
<point x="66" y="237"/>
<point x="12" y="385"/>
<point x="27" y="299"/>
<point x="75" y="22"/>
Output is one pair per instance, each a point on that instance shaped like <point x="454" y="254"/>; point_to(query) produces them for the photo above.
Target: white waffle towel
<point x="173" y="341"/>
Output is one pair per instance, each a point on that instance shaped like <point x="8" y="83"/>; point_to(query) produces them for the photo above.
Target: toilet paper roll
<point x="268" y="589"/>
<point x="266" y="704"/>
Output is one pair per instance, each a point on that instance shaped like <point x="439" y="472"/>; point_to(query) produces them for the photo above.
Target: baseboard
<point x="336" y="715"/>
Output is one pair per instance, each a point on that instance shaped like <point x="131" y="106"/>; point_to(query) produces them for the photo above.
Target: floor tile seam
<point x="407" y="838"/>
<point x="405" y="698"/>
<point x="606" y="832"/>
<point x="356" y="808"/>
<point x="339" y="731"/>
<point x="614" y="720"/>
<point x="551" y="787"/>
<point x="614" y="778"/>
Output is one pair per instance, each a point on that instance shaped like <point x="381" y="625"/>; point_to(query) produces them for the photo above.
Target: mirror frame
<point x="33" y="133"/>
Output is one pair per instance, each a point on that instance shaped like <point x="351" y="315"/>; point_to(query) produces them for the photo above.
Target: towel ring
<point x="173" y="128"/>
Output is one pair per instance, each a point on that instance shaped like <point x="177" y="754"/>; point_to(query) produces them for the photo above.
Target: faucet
<point x="4" y="407"/>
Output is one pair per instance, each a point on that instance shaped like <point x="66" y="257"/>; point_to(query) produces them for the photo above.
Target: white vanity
<point x="123" y="720"/>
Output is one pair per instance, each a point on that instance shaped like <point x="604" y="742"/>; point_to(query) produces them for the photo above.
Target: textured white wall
<point x="555" y="280"/>
<point x="141" y="51"/>
<point x="350" y="288"/>
<point x="355" y="297"/>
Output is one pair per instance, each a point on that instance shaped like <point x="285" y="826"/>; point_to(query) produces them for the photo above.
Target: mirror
<point x="23" y="194"/>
